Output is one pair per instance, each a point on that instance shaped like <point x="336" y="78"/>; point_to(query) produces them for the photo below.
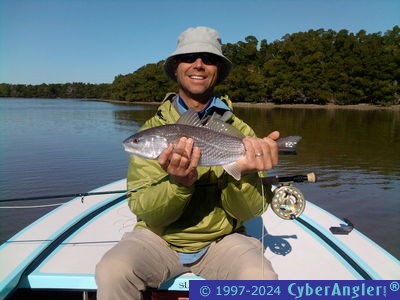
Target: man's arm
<point x="248" y="197"/>
<point x="158" y="201"/>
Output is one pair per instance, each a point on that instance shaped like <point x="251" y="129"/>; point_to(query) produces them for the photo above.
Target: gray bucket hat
<point x="196" y="40"/>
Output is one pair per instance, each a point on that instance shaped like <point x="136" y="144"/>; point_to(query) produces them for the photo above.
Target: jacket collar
<point x="214" y="105"/>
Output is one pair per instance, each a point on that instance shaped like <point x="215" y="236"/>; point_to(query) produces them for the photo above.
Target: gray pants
<point x="143" y="259"/>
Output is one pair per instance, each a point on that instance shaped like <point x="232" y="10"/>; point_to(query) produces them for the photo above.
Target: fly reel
<point x="288" y="202"/>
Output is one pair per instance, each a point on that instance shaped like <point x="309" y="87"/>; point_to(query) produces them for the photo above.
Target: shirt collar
<point x="215" y="104"/>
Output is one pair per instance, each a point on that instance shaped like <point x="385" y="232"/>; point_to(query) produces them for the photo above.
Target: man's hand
<point x="180" y="161"/>
<point x="261" y="154"/>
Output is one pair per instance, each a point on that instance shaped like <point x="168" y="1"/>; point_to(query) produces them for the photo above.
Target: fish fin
<point x="215" y="123"/>
<point x="288" y="144"/>
<point x="190" y="117"/>
<point x="232" y="170"/>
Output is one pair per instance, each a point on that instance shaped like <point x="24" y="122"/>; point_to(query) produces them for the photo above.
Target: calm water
<point x="70" y="146"/>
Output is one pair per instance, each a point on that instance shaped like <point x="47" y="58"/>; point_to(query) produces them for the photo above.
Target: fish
<point x="220" y="143"/>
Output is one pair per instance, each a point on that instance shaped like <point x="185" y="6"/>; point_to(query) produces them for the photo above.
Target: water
<point x="64" y="146"/>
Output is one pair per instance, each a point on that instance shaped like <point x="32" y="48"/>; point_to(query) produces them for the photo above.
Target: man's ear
<point x="175" y="66"/>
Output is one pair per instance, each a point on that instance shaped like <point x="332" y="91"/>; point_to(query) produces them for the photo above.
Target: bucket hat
<point x="197" y="40"/>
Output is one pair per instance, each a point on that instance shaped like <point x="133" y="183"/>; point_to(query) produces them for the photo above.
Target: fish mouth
<point x="128" y="149"/>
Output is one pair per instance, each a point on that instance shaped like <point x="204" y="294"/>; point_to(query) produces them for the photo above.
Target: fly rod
<point x="82" y="195"/>
<point x="268" y="180"/>
<point x="310" y="177"/>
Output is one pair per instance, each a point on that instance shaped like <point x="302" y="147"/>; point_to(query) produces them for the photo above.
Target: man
<point x="190" y="217"/>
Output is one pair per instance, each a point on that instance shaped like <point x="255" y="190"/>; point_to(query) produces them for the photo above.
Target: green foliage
<point x="68" y="90"/>
<point x="317" y="66"/>
<point x="149" y="83"/>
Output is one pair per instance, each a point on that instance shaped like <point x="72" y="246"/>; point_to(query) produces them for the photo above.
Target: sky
<point x="92" y="41"/>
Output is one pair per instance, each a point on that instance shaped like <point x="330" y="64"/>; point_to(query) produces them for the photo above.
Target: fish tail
<point x="288" y="145"/>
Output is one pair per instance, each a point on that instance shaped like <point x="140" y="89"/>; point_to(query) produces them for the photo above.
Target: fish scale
<point x="216" y="148"/>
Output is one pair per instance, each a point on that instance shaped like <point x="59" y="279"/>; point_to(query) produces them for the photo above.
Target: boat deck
<point x="60" y="250"/>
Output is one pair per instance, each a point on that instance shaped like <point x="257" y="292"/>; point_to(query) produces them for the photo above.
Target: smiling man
<point x="196" y="76"/>
<point x="190" y="217"/>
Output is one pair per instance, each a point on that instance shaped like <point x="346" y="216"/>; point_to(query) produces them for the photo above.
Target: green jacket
<point x="190" y="218"/>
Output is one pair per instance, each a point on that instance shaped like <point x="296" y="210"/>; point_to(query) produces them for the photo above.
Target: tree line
<point x="317" y="66"/>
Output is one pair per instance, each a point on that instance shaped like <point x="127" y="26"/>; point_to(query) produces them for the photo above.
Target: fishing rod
<point x="82" y="195"/>
<point x="267" y="180"/>
<point x="310" y="177"/>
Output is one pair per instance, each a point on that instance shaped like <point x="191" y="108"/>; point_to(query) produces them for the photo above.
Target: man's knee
<point x="115" y="280"/>
<point x="257" y="273"/>
<point x="111" y="271"/>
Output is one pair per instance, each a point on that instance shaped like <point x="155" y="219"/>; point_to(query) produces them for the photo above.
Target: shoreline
<point x="320" y="106"/>
<point x="363" y="106"/>
<point x="395" y="107"/>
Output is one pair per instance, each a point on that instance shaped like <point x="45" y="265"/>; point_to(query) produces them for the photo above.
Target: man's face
<point x="196" y="74"/>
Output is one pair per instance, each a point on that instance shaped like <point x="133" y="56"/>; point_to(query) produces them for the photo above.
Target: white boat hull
<point x="60" y="250"/>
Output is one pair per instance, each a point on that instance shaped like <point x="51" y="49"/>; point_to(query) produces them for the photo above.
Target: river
<point x="63" y="146"/>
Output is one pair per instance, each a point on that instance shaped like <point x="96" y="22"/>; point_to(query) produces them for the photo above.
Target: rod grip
<point x="310" y="177"/>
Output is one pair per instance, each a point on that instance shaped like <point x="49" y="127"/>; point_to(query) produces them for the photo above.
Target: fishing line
<point x="262" y="227"/>
<point x="32" y="206"/>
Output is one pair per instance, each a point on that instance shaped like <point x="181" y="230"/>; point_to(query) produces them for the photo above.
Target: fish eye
<point x="136" y="140"/>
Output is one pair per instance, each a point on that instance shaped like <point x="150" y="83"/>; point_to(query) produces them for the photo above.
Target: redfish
<point x="220" y="143"/>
